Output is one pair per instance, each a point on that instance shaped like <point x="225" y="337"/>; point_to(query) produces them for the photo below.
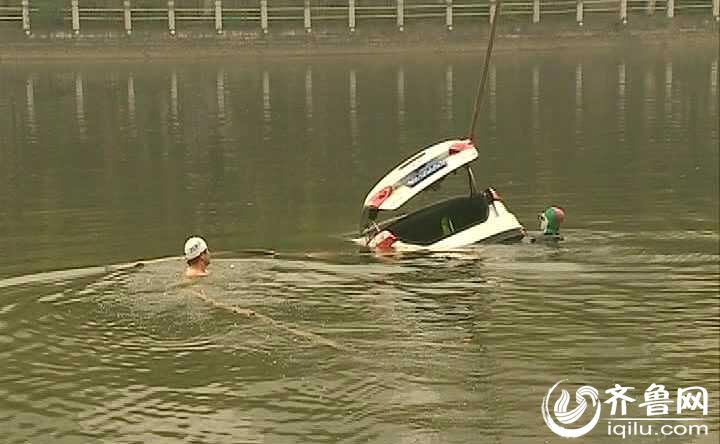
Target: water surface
<point x="105" y="164"/>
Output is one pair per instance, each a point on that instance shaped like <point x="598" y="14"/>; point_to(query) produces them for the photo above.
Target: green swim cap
<point x="551" y="219"/>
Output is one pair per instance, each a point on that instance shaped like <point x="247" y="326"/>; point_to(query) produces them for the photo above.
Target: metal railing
<point x="222" y="14"/>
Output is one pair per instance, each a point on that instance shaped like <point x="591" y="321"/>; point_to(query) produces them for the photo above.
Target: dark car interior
<point x="440" y="220"/>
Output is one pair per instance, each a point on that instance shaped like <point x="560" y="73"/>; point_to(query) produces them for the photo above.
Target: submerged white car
<point x="449" y="224"/>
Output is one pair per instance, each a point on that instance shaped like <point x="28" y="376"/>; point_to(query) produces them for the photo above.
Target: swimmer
<point x="550" y="221"/>
<point x="197" y="257"/>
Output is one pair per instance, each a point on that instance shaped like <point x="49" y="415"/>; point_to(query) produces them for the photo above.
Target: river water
<point x="104" y="164"/>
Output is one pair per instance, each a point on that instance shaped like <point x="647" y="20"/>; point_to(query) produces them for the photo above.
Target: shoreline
<point x="149" y="46"/>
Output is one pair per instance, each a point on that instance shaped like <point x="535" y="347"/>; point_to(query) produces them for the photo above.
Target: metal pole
<point x="307" y="18"/>
<point x="171" y="16"/>
<point x="670" y="8"/>
<point x="218" y="17"/>
<point x="536" y="11"/>
<point x="716" y="10"/>
<point x="127" y="16"/>
<point x="264" y="16"/>
<point x="401" y="15"/>
<point x="580" y="12"/>
<point x="623" y="11"/>
<point x="449" y="14"/>
<point x="351" y="15"/>
<point x="75" y="16"/>
<point x="26" y="16"/>
<point x="493" y="7"/>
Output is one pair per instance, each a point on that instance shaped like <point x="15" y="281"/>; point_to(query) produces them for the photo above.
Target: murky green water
<point x="106" y="163"/>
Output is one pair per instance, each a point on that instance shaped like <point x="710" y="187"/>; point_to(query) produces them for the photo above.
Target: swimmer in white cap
<point x="197" y="257"/>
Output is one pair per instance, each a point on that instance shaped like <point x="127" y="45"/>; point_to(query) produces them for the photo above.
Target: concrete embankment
<point x="113" y="44"/>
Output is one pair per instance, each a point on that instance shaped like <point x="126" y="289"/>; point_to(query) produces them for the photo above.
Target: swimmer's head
<point x="551" y="219"/>
<point x="196" y="250"/>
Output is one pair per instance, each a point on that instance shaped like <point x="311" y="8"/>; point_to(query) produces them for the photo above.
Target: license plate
<point x="424" y="171"/>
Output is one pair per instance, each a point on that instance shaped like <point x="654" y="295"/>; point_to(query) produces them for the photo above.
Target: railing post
<point x="75" y="8"/>
<point x="127" y="17"/>
<point x="26" y="16"/>
<point x="449" y="14"/>
<point x="623" y="11"/>
<point x="307" y="19"/>
<point x="670" y="8"/>
<point x="400" y="15"/>
<point x="536" y="11"/>
<point x="171" y="16"/>
<point x="264" y="16"/>
<point x="580" y="13"/>
<point x="650" y="8"/>
<point x="218" y="17"/>
<point x="351" y="15"/>
<point x="493" y="6"/>
<point x="716" y="10"/>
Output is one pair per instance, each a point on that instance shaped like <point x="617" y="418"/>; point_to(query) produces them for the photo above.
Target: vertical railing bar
<point x="449" y="14"/>
<point x="218" y="17"/>
<point x="351" y="15"/>
<point x="127" y="17"/>
<point x="580" y="13"/>
<point x="171" y="16"/>
<point x="75" y="8"/>
<point x="264" y="16"/>
<point x="26" y="16"/>
<point x="400" y="8"/>
<point x="307" y="18"/>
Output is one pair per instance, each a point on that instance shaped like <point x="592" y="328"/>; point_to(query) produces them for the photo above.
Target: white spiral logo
<point x="569" y="417"/>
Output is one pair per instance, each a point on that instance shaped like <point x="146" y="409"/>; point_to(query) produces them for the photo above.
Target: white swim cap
<point x="194" y="247"/>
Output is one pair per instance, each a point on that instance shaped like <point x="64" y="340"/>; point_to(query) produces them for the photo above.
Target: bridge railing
<point x="305" y="14"/>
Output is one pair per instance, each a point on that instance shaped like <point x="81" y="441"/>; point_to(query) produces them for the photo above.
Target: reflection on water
<point x="449" y="92"/>
<point x="317" y="144"/>
<point x="621" y="103"/>
<point x="175" y="122"/>
<point x="105" y="164"/>
<point x="492" y="99"/>
<point x="308" y="95"/>
<point x="30" y="104"/>
<point x="650" y="102"/>
<point x="579" y="105"/>
<point x="80" y="106"/>
<point x="353" y="108"/>
<point x="220" y="85"/>
<point x="535" y="103"/>
<point x="401" y="104"/>
<point x="267" y="109"/>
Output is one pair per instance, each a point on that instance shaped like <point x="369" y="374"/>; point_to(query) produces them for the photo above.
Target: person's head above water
<point x="197" y="257"/>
